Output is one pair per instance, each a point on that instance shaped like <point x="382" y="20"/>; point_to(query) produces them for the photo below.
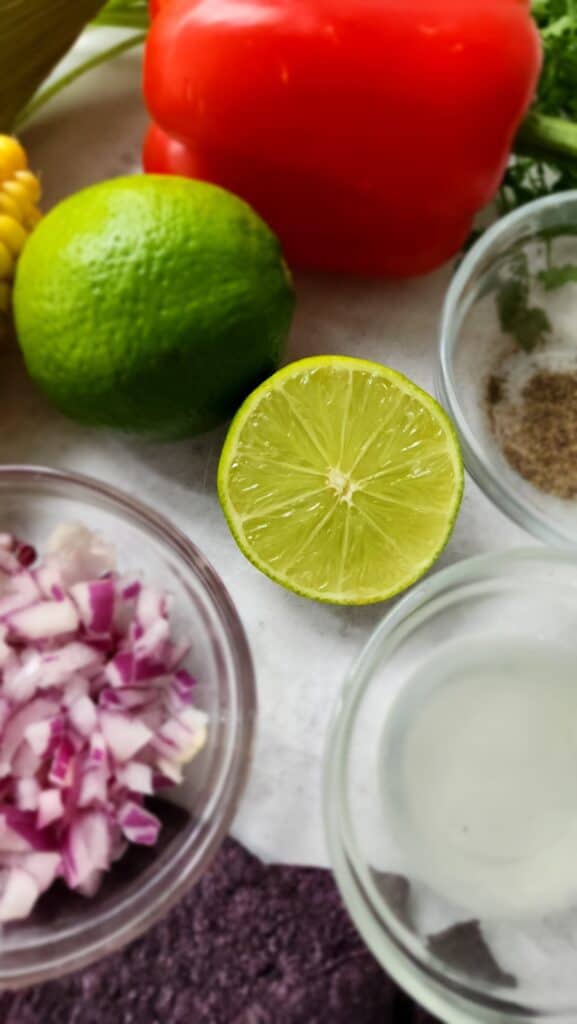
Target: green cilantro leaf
<point x="528" y="325"/>
<point x="556" y="277"/>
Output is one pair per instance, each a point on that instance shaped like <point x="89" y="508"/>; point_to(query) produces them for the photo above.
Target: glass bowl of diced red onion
<point x="127" y="707"/>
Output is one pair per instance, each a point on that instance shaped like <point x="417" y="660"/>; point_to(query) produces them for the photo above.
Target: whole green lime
<point x="152" y="305"/>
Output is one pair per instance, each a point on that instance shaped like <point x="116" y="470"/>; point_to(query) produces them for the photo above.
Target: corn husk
<point x="34" y="36"/>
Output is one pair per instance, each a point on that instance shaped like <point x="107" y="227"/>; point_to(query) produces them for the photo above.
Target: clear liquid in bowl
<point x="479" y="777"/>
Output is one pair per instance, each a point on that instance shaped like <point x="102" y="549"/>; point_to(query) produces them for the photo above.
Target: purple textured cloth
<point x="250" y="944"/>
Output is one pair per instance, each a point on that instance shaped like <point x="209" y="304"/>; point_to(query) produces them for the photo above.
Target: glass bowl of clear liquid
<point x="451" y="790"/>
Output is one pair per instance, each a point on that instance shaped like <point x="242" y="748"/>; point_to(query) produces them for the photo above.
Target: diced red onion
<point x="8" y="562"/>
<point x="44" y="866"/>
<point x="138" y="825"/>
<point x="50" y="807"/>
<point x="77" y="686"/>
<point x="97" y="753"/>
<point x="95" y="714"/>
<point x="44" y="621"/>
<point x="25" y="554"/>
<point x="83" y="715"/>
<point x="185" y="681"/>
<point x="136" y="777"/>
<point x="17" y="725"/>
<point x="90" y="886"/>
<point x="21" y="677"/>
<point x="25" y="763"/>
<point x="79" y="555"/>
<point x="72" y="659"/>
<point x="22" y="591"/>
<point x="61" y="771"/>
<point x="95" y="602"/>
<point x="19" y="832"/>
<point x="124" y="736"/>
<point x="49" y="582"/>
<point x="93" y="787"/>
<point x="120" y="669"/>
<point x="39" y="735"/>
<point x="87" y="848"/>
<point x="175" y="655"/>
<point x="18" y="894"/>
<point x="152" y="643"/>
<point x="131" y="591"/>
<point x="27" y="793"/>
<point x="150" y="606"/>
<point x="170" y="772"/>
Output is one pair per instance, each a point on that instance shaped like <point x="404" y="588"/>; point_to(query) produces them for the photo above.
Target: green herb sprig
<point x="546" y="147"/>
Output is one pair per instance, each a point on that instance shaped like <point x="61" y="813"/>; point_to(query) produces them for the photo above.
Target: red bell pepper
<point x="366" y="132"/>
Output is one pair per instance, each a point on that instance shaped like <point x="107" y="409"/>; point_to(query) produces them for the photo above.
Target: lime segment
<point x="341" y="480"/>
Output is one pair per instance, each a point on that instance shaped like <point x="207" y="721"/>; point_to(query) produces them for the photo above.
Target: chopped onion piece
<point x="39" y="735"/>
<point x="93" y="787"/>
<point x="88" y="847"/>
<point x="150" y="607"/>
<point x="50" y="807"/>
<point x="17" y="725"/>
<point x="44" y="868"/>
<point x="44" y="621"/>
<point x="61" y="772"/>
<point x="27" y="793"/>
<point x="120" y="670"/>
<point x="97" y="753"/>
<point x="73" y="658"/>
<point x="21" y="592"/>
<point x="170" y="771"/>
<point x="21" y="677"/>
<point x="96" y="714"/>
<point x="90" y="886"/>
<point x="125" y="736"/>
<point x="138" y="825"/>
<point x="136" y="777"/>
<point x="18" y="894"/>
<point x="25" y="763"/>
<point x="83" y="715"/>
<point x="95" y="602"/>
<point x="79" y="554"/>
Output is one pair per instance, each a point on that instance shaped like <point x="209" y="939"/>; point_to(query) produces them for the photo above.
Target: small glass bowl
<point x="484" y="316"/>
<point x="479" y="924"/>
<point x="65" y="931"/>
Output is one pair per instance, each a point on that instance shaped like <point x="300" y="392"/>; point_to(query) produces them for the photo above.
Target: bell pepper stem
<point x="544" y="137"/>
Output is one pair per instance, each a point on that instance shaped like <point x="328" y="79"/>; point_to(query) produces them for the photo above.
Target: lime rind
<point x="246" y="417"/>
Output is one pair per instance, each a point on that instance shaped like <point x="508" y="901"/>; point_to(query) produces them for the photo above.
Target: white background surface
<point x="301" y="650"/>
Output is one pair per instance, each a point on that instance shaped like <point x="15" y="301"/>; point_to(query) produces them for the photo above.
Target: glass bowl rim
<point x="444" y="996"/>
<point x="481" y="468"/>
<point x="232" y="785"/>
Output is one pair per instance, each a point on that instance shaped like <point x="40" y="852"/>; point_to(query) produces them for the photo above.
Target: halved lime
<point x="341" y="480"/>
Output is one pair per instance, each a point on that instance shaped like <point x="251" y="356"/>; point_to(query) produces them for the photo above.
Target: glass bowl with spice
<point x="508" y="365"/>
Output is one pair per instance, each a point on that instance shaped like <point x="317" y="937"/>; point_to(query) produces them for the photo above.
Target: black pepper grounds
<point x="537" y="432"/>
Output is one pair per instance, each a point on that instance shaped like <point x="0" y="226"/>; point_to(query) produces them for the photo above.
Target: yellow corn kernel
<point x="6" y="262"/>
<point x="15" y="203"/>
<point x="5" y="297"/>
<point x="17" y="191"/>
<point x="12" y="234"/>
<point x="12" y="157"/>
<point x="10" y="206"/>
<point x="31" y="184"/>
<point x="32" y="218"/>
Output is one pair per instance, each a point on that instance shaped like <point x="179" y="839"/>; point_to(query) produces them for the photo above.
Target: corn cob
<point x="19" y="197"/>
